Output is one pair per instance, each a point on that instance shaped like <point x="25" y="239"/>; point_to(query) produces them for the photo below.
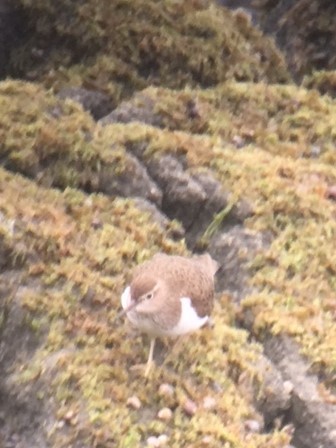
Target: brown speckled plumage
<point x="178" y="277"/>
<point x="170" y="296"/>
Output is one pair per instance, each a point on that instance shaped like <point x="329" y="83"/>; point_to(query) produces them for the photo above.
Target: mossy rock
<point x="304" y="30"/>
<point x="324" y="81"/>
<point x="79" y="249"/>
<point x="122" y="46"/>
<point x="82" y="250"/>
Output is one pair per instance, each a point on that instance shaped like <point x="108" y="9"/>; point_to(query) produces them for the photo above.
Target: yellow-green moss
<point x="282" y="119"/>
<point x="82" y="249"/>
<point x="324" y="81"/>
<point x="118" y="47"/>
<point x="79" y="250"/>
<point x="54" y="140"/>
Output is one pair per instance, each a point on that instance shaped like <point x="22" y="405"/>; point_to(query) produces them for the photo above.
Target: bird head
<point x="145" y="295"/>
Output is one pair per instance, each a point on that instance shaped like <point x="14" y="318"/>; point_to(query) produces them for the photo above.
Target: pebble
<point x="166" y="390"/>
<point x="156" y="442"/>
<point x="165" y="414"/>
<point x="134" y="402"/>
<point x="189" y="407"/>
<point x="207" y="440"/>
<point x="252" y="426"/>
<point x="209" y="403"/>
<point x="288" y="386"/>
<point x="331" y="192"/>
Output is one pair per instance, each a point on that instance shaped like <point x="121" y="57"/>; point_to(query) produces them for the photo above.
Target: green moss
<point x="118" y="47"/>
<point x="54" y="140"/>
<point x="324" y="81"/>
<point x="72" y="292"/>
<point x="79" y="251"/>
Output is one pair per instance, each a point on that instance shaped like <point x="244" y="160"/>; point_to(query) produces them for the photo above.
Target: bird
<point x="170" y="295"/>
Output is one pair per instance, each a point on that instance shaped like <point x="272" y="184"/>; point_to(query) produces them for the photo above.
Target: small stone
<point x="209" y="403"/>
<point x="189" y="407"/>
<point x="288" y="387"/>
<point x="238" y="141"/>
<point x="315" y="150"/>
<point x="153" y="441"/>
<point x="252" y="426"/>
<point x="60" y="424"/>
<point x="166" y="390"/>
<point x="331" y="192"/>
<point x="165" y="414"/>
<point x="163" y="439"/>
<point x="134" y="402"/>
<point x="207" y="440"/>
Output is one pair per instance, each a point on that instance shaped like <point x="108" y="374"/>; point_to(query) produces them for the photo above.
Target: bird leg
<point x="150" y="357"/>
<point x="150" y="361"/>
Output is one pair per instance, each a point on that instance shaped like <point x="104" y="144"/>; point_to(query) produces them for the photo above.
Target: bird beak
<point x="125" y="311"/>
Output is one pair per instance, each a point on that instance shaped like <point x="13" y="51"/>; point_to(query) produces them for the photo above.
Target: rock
<point x="252" y="426"/>
<point x="183" y="197"/>
<point x="132" y="181"/>
<point x="189" y="407"/>
<point x="234" y="249"/>
<point x="140" y="108"/>
<point x="175" y="232"/>
<point x="331" y="192"/>
<point x="166" y="390"/>
<point x="314" y="420"/>
<point x="165" y="414"/>
<point x="134" y="402"/>
<point x="156" y="442"/>
<point x="273" y="399"/>
<point x="97" y="103"/>
<point x="209" y="403"/>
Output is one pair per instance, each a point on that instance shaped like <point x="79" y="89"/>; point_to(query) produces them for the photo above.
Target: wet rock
<point x="97" y="103"/>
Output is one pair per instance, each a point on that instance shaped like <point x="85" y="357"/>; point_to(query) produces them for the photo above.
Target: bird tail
<point x="209" y="262"/>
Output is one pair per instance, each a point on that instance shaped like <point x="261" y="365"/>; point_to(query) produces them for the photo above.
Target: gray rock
<point x="97" y="103"/>
<point x="183" y="197"/>
<point x="234" y="249"/>
<point x="314" y="419"/>
<point x="133" y="181"/>
<point x="140" y="108"/>
<point x="164" y="222"/>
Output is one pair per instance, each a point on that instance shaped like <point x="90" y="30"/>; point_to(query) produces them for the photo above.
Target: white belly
<point x="189" y="320"/>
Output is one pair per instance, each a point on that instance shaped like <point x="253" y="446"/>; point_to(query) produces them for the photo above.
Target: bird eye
<point x="149" y="296"/>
